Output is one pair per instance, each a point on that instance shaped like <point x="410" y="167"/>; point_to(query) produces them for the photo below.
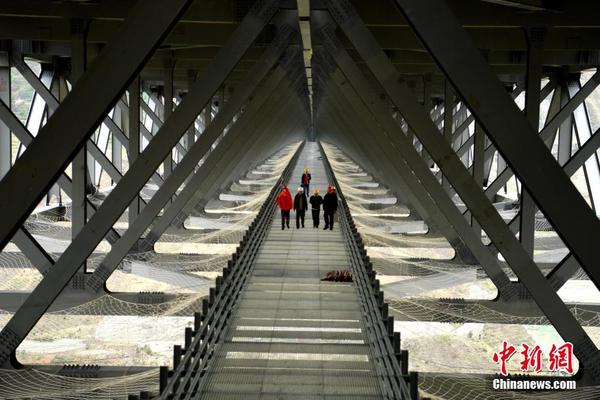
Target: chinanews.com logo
<point x="532" y="359"/>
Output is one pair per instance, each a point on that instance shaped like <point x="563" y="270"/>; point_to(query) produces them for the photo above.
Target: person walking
<point x="285" y="203"/>
<point x="305" y="181"/>
<point x="300" y="206"/>
<point x="315" y="204"/>
<point x="329" y="206"/>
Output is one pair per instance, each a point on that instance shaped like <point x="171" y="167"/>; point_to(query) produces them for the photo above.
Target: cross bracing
<point x="142" y="144"/>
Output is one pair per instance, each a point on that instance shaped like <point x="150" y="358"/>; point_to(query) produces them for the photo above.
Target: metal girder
<point x="478" y="166"/>
<point x="464" y="147"/>
<point x="168" y="109"/>
<point x="37" y="169"/>
<point x="271" y="128"/>
<point x="473" y="195"/>
<point x="198" y="199"/>
<point x="186" y="167"/>
<point x="133" y="153"/>
<point x="25" y="137"/>
<point x="532" y="112"/>
<point x="583" y="132"/>
<point x="568" y="265"/>
<point x="79" y="166"/>
<point x="445" y="206"/>
<point x="5" y="97"/>
<point x="269" y="131"/>
<point x="448" y="122"/>
<point x="40" y="259"/>
<point x="509" y="130"/>
<point x="158" y="122"/>
<point x="361" y="121"/>
<point x="475" y="13"/>
<point x="548" y="133"/>
<point x="196" y="188"/>
<point x="586" y="151"/>
<point x="53" y="103"/>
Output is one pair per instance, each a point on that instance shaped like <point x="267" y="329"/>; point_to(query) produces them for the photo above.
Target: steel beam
<point x="189" y="197"/>
<point x="583" y="132"/>
<point x="168" y="108"/>
<point x="473" y="195"/>
<point x="186" y="167"/>
<point x="414" y="162"/>
<point x="25" y="137"/>
<point x="79" y="165"/>
<point x="36" y="168"/>
<point x="532" y="112"/>
<point x="478" y="166"/>
<point x="448" y="122"/>
<point x="157" y="122"/>
<point x="5" y="97"/>
<point x="134" y="139"/>
<point x="509" y="130"/>
<point x="120" y="197"/>
<point x="40" y="259"/>
<point x="53" y="103"/>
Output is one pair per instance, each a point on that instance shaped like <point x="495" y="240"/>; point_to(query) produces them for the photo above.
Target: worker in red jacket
<point x="285" y="203"/>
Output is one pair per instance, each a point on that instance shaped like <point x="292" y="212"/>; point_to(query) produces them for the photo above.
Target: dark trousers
<point x="285" y="218"/>
<point x="299" y="218"/>
<point x="315" y="215"/>
<point x="328" y="217"/>
<point x="306" y="188"/>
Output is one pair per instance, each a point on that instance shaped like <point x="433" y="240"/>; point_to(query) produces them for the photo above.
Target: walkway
<point x="293" y="336"/>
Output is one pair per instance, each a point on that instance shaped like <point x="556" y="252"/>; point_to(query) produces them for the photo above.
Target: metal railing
<point x="391" y="363"/>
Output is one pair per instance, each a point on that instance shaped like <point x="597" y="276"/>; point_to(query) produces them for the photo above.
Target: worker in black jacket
<point x="329" y="207"/>
<point x="300" y="206"/>
<point x="315" y="204"/>
<point x="305" y="181"/>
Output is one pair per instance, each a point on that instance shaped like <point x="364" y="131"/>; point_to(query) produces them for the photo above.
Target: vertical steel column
<point x="116" y="146"/>
<point x="478" y="165"/>
<point x="168" y="107"/>
<point x="191" y="134"/>
<point x="90" y="100"/>
<point x="448" y="123"/>
<point x="565" y="131"/>
<point x="535" y="37"/>
<point x="5" y="96"/>
<point x="208" y="113"/>
<point x="58" y="91"/>
<point x="134" y="139"/>
<point x="82" y="159"/>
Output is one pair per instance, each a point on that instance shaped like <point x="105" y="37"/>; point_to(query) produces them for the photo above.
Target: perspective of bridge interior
<point x="147" y="148"/>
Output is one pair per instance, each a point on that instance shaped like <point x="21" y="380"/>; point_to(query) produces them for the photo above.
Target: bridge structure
<point x="143" y="145"/>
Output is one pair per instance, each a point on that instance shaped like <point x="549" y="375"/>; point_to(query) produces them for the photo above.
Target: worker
<point x="305" y="181"/>
<point x="300" y="206"/>
<point x="315" y="204"/>
<point x="285" y="203"/>
<point x="329" y="206"/>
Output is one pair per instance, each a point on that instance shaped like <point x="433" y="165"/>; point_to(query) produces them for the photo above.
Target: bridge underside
<point x="143" y="144"/>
